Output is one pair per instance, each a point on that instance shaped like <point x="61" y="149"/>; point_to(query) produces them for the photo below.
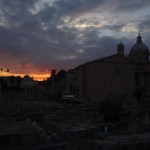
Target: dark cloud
<point x="145" y="23"/>
<point x="116" y="28"/>
<point x="18" y="4"/>
<point x="127" y="6"/>
<point x="67" y="7"/>
<point x="36" y="33"/>
<point x="102" y="47"/>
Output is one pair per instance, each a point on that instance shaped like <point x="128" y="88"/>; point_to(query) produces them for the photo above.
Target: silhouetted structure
<point x="120" y="76"/>
<point x="72" y="82"/>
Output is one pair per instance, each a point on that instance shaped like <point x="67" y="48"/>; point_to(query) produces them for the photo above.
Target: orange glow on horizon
<point x="36" y="76"/>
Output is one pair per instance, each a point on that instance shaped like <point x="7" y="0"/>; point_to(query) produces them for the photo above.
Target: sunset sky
<point x="37" y="36"/>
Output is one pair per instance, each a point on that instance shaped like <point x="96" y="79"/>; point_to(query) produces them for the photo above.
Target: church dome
<point x="139" y="50"/>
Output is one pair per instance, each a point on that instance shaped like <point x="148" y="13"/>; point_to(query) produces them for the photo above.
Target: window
<point x="117" y="71"/>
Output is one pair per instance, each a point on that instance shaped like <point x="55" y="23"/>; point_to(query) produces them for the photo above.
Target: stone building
<point x="112" y="75"/>
<point x="118" y="75"/>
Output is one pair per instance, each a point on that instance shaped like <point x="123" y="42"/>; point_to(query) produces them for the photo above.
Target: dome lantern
<point x="139" y="39"/>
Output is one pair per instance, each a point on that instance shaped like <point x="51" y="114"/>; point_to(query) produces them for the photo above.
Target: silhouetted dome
<point x="139" y="52"/>
<point x="139" y="48"/>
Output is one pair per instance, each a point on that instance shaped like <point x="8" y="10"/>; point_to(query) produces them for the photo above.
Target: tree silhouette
<point x="3" y="84"/>
<point x="18" y="80"/>
<point x="12" y="79"/>
<point x="61" y="75"/>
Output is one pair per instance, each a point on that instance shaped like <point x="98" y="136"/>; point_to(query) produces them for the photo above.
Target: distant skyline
<point x="37" y="36"/>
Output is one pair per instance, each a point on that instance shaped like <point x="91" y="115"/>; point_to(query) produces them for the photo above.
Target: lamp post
<point x="1" y="81"/>
<point x="53" y="80"/>
<point x="2" y="70"/>
<point x="1" y="84"/>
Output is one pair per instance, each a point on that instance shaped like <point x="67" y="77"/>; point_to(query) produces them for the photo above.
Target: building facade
<point x="118" y="75"/>
<point x="110" y="76"/>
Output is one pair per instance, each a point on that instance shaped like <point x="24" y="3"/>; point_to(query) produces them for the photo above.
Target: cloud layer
<point x="39" y="35"/>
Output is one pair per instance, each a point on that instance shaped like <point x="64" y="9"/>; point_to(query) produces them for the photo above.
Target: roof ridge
<point x="104" y="59"/>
